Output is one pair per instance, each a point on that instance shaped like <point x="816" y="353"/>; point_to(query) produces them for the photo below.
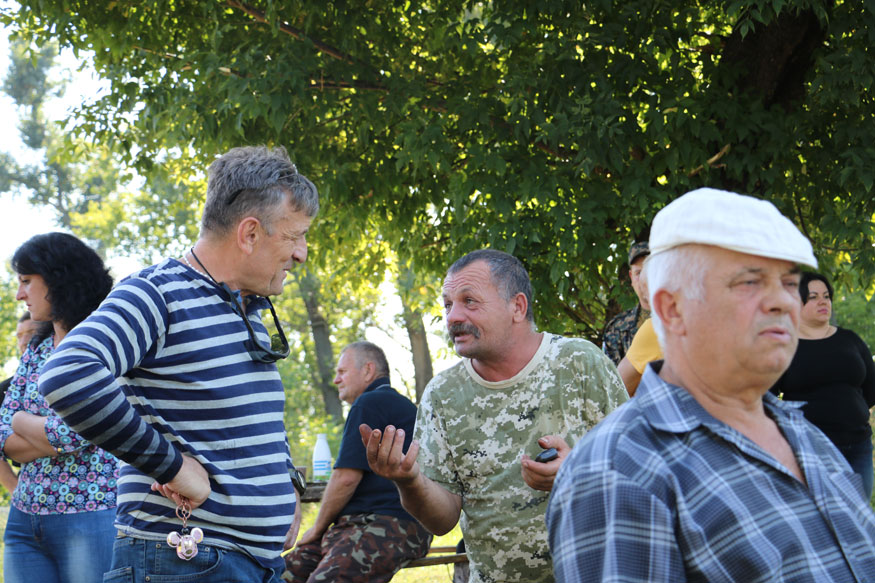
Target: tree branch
<point x="801" y="217"/>
<point x="298" y="34"/>
<point x="711" y="162"/>
<point x="321" y="84"/>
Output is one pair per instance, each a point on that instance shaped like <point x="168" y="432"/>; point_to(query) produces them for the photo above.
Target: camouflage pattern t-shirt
<point x="472" y="433"/>
<point x="621" y="330"/>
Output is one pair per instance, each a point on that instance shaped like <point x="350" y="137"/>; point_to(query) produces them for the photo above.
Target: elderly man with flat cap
<point x="704" y="475"/>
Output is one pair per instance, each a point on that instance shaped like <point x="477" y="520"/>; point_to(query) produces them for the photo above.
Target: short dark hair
<point x="807" y="278"/>
<point x="43" y="329"/>
<point x="76" y="278"/>
<point x="253" y="181"/>
<point x="369" y="352"/>
<point x="507" y="272"/>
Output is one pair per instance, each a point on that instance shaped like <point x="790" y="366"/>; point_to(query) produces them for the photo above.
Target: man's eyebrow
<point x="467" y="288"/>
<point x="795" y="270"/>
<point x="748" y="271"/>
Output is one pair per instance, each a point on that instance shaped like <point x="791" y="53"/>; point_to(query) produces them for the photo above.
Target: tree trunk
<point x="416" y="332"/>
<point x="419" y="347"/>
<point x="309" y="285"/>
<point x="774" y="60"/>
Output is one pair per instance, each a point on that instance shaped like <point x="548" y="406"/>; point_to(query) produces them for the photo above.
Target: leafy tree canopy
<point x="552" y="130"/>
<point x="91" y="195"/>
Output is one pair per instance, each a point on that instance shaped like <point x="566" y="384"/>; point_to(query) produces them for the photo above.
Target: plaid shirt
<point x="662" y="491"/>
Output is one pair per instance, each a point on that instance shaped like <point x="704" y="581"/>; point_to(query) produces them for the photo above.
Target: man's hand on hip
<point x="192" y="482"/>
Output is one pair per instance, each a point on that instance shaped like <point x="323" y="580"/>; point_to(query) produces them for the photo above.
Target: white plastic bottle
<point x="321" y="459"/>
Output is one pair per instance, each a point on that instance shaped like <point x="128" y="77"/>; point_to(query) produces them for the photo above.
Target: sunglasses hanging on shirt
<point x="279" y="346"/>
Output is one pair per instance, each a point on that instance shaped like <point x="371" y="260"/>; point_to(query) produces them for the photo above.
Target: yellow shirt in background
<point x="645" y="347"/>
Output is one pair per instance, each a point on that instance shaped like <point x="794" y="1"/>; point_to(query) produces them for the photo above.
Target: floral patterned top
<point x="82" y="478"/>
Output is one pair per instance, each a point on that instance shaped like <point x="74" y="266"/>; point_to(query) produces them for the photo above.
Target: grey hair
<point x="253" y="181"/>
<point x="681" y="268"/>
<point x="507" y="273"/>
<point x="366" y="352"/>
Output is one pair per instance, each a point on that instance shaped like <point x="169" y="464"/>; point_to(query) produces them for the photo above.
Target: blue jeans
<point x="69" y="548"/>
<point x="137" y="560"/>
<point x="859" y="455"/>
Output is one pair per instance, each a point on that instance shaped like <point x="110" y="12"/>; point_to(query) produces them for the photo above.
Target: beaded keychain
<point x="185" y="541"/>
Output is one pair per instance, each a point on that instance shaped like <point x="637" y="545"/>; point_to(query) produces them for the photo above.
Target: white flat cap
<point x="707" y="216"/>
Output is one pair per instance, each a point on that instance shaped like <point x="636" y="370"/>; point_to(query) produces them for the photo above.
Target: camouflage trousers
<point x="359" y="548"/>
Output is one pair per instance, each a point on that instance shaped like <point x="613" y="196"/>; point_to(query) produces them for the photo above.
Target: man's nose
<point x="781" y="299"/>
<point x="299" y="254"/>
<point x="455" y="314"/>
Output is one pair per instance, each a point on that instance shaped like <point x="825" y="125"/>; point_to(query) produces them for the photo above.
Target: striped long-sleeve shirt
<point x="159" y="370"/>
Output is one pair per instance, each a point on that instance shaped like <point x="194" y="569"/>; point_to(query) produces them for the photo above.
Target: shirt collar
<point x="666" y="406"/>
<point x="252" y="302"/>
<point x="671" y="408"/>
<point x="377" y="384"/>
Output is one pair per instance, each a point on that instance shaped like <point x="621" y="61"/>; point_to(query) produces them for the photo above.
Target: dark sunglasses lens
<point x="262" y="356"/>
<point x="279" y="346"/>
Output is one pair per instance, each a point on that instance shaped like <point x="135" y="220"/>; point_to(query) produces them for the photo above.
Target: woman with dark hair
<point x="833" y="373"/>
<point x="60" y="525"/>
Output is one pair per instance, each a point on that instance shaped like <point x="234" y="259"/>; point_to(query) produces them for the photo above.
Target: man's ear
<point x="370" y="371"/>
<point x="520" y="306"/>
<point x="248" y="233"/>
<point x="667" y="305"/>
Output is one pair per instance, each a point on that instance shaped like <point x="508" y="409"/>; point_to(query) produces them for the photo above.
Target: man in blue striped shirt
<point x="174" y="374"/>
<point x="704" y="475"/>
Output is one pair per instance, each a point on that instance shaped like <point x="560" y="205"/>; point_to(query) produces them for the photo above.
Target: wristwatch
<point x="298" y="480"/>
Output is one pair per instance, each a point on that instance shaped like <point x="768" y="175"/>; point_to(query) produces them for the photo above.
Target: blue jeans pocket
<point x="123" y="575"/>
<point x="167" y="567"/>
<point x="140" y="560"/>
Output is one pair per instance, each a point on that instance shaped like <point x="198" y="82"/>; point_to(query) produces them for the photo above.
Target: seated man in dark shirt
<point x="361" y="532"/>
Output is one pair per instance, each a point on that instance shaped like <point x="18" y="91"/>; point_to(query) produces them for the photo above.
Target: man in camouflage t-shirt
<point x="481" y="422"/>
<point x="622" y="328"/>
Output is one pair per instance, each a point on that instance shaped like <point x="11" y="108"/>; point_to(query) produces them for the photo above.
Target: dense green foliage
<point x="855" y="312"/>
<point x="10" y="311"/>
<point x="553" y="130"/>
<point x="71" y="174"/>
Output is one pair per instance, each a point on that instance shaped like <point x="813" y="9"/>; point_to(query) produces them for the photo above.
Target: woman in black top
<point x="833" y="373"/>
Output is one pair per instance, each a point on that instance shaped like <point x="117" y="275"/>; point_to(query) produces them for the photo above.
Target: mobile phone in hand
<point x="548" y="455"/>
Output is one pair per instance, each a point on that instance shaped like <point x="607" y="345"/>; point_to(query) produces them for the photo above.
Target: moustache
<point x="462" y="328"/>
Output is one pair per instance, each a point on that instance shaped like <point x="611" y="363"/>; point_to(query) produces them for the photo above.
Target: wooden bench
<point x="436" y="555"/>
<point x="443" y="556"/>
<point x="314" y="492"/>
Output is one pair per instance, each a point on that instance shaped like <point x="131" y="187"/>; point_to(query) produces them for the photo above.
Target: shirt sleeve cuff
<point x="59" y="435"/>
<point x="5" y="432"/>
